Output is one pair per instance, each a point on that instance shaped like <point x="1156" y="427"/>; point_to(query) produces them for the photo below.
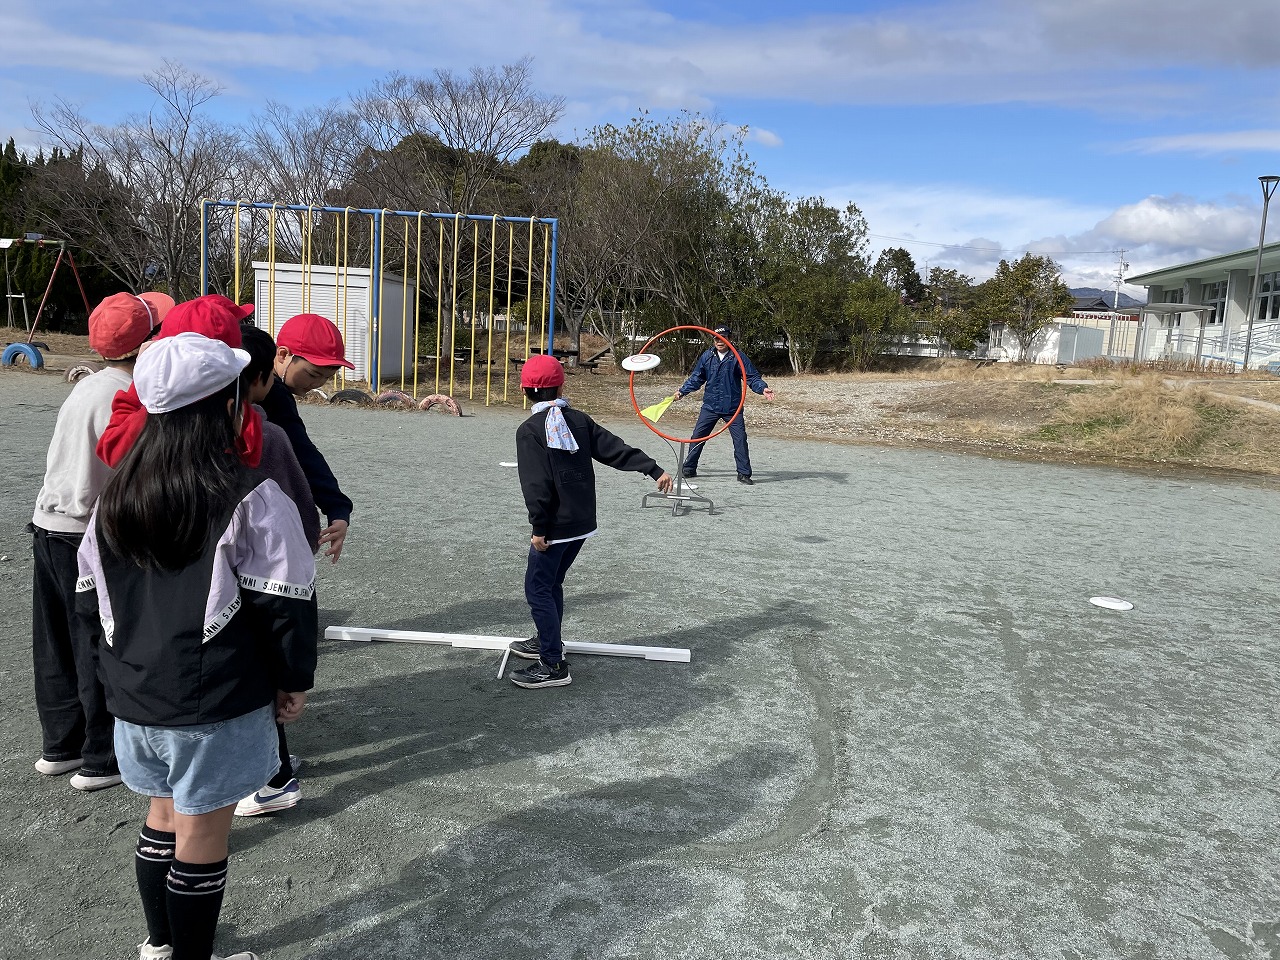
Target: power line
<point x="995" y="250"/>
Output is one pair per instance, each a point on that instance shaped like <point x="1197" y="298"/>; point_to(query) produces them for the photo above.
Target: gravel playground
<point x="904" y="733"/>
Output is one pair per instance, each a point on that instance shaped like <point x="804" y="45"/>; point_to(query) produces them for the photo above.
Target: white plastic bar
<point x="473" y="642"/>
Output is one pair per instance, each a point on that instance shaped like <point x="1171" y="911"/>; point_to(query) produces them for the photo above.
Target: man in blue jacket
<point x="718" y="369"/>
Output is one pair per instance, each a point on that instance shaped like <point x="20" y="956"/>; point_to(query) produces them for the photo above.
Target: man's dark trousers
<point x="707" y="420"/>
<point x="544" y="589"/>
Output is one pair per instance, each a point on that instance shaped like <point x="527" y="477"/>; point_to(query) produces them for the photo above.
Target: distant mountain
<point x="1107" y="295"/>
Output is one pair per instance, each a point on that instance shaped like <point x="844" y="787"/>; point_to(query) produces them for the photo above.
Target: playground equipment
<point x="28" y="351"/>
<point x="372" y="272"/>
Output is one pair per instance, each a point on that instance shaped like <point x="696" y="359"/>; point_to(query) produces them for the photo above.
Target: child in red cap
<point x="76" y="727"/>
<point x="309" y="352"/>
<point x="555" y="448"/>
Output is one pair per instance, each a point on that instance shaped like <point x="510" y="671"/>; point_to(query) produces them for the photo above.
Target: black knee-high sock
<point x="151" y="862"/>
<point x="194" y="896"/>
<point x="285" y="774"/>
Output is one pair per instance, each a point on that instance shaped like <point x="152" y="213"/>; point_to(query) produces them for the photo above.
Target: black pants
<point x="69" y="696"/>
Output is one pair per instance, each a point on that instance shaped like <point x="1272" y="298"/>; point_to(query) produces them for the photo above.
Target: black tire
<point x="358" y="397"/>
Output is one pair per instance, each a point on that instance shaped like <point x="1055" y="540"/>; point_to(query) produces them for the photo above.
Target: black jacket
<point x="282" y="410"/>
<point x="218" y="638"/>
<point x="559" y="487"/>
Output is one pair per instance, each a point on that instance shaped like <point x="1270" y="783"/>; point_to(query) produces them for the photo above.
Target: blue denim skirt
<point x="203" y="767"/>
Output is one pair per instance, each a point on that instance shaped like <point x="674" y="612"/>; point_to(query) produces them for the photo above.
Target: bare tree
<point x="444" y="138"/>
<point x="131" y="192"/>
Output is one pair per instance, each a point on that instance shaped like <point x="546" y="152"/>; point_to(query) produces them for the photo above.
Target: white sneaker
<point x="56" y="768"/>
<point x="269" y="800"/>
<point x="89" y="782"/>
<point x="147" y="952"/>
<point x="246" y="955"/>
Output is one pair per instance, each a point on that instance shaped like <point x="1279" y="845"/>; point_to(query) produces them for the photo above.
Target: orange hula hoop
<point x="742" y="369"/>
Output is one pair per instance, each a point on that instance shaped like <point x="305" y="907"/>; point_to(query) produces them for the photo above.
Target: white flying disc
<point x="1111" y="603"/>
<point x="641" y="361"/>
<point x="507" y="463"/>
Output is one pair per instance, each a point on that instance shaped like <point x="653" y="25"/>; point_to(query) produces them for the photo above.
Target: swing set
<point x="29" y="350"/>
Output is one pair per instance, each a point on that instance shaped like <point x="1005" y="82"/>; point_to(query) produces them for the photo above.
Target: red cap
<point x="119" y="325"/>
<point x="212" y="315"/>
<point x="314" y="338"/>
<point x="160" y="304"/>
<point x="541" y="371"/>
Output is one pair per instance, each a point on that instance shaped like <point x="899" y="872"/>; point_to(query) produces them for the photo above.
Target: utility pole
<point x="1122" y="266"/>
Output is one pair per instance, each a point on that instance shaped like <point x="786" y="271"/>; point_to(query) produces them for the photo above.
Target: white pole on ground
<point x="467" y="641"/>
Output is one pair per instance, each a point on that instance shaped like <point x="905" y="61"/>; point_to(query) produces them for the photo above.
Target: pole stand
<point x="681" y="495"/>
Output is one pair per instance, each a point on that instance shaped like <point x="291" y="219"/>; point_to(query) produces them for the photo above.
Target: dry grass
<point x="1147" y="419"/>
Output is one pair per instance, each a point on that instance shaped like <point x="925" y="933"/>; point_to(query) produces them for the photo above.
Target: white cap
<point x="177" y="371"/>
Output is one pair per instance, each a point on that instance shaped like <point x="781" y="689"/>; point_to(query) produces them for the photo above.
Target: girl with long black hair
<point x="199" y="574"/>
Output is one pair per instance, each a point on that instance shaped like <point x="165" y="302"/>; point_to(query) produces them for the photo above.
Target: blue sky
<point x="970" y="129"/>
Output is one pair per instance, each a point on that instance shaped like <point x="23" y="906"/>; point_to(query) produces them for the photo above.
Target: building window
<point x="1215" y="295"/>
<point x="1173" y="296"/>
<point x="1269" y="297"/>
<point x="996" y="337"/>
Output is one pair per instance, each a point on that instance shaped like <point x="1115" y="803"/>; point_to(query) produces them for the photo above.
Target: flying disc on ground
<point x="1111" y="603"/>
<point x="641" y="361"/>
<point x="507" y="463"/>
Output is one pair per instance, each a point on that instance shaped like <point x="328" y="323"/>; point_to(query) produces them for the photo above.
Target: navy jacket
<point x="282" y="410"/>
<point x="559" y="487"/>
<point x="724" y="382"/>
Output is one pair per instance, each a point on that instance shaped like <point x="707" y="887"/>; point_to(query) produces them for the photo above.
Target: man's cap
<point x="723" y="331"/>
<point x="177" y="371"/>
<point x="541" y="371"/>
<point x="119" y="325"/>
<point x="314" y="338"/>
<point x="160" y="304"/>
<point x="212" y="316"/>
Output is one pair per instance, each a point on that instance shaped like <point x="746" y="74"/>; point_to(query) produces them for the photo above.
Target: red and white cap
<point x="178" y="371"/>
<point x="314" y="338"/>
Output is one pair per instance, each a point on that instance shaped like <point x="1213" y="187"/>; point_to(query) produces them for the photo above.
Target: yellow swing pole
<point x="417" y="303"/>
<point x="235" y="252"/>
<point x="440" y="305"/>
<point x="346" y="259"/>
<point x="475" y="284"/>
<point x="493" y="254"/>
<point x="453" y="301"/>
<point x="546" y="263"/>
<point x="528" y="295"/>
<point x="511" y="280"/>
<point x="271" y="269"/>
<point x="404" y="304"/>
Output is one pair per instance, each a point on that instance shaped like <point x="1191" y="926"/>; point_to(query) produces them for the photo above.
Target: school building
<point x="1200" y="310"/>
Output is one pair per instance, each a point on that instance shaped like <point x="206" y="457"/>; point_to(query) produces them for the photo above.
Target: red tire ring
<point x="394" y="398"/>
<point x="710" y="436"/>
<point x="442" y="399"/>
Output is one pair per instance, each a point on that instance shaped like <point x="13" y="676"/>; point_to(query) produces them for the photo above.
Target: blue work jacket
<point x="724" y="382"/>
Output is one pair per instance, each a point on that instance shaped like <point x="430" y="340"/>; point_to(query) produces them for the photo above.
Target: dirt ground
<point x="904" y="733"/>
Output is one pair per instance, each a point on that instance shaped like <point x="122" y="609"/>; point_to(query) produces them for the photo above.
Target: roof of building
<point x="1211" y="268"/>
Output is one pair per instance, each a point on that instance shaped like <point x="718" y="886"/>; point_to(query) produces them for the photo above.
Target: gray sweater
<point x="74" y="476"/>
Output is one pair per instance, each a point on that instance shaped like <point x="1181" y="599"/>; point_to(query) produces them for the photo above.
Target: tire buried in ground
<point x="449" y="404"/>
<point x="358" y="397"/>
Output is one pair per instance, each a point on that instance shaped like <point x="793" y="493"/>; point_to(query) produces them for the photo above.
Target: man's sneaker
<point x="746" y="478"/>
<point x="56" y="768"/>
<point x="88" y="782"/>
<point x="527" y="649"/>
<point x="269" y="800"/>
<point x="541" y="675"/>
<point x="689" y="473"/>
<point x="147" y="952"/>
<point x="247" y="955"/>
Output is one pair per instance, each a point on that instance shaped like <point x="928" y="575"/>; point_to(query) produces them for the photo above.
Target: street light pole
<point x="1268" y="190"/>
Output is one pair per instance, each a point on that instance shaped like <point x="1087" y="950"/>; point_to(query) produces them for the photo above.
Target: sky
<point x="965" y="130"/>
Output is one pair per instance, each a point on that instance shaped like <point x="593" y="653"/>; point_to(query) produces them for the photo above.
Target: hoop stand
<point x="681" y="494"/>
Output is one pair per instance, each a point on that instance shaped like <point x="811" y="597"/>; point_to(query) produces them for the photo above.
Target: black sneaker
<point x="540" y="675"/>
<point x="688" y="473"/>
<point x="526" y="649"/>
<point x="746" y="478"/>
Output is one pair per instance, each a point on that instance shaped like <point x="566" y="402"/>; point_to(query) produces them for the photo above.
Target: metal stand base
<point x="681" y="496"/>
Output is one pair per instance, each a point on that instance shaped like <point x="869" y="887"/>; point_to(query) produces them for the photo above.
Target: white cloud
<point x="766" y="138"/>
<point x="1208" y="144"/>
